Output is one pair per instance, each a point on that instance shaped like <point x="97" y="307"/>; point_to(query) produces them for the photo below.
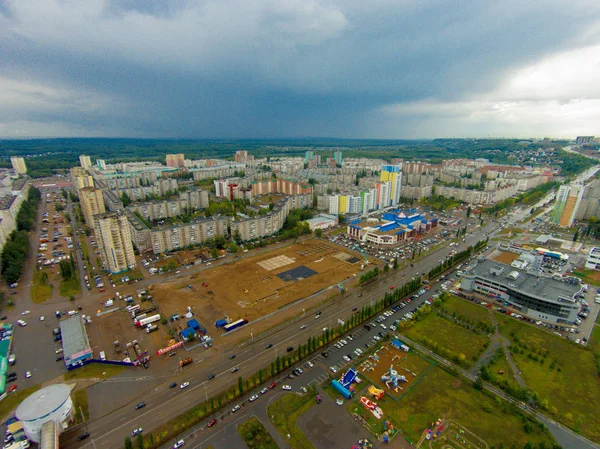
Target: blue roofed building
<point x="392" y="228"/>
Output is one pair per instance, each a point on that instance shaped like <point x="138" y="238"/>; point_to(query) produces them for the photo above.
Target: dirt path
<point x="506" y="345"/>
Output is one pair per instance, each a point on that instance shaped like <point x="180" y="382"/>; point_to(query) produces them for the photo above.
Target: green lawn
<point x="567" y="382"/>
<point x="285" y="412"/>
<point x="591" y="277"/>
<point x="467" y="309"/>
<point x="70" y="287"/>
<point x="441" y="395"/>
<point x="15" y="398"/>
<point x="255" y="435"/>
<point x="41" y="292"/>
<point x="94" y="370"/>
<point x="449" y="339"/>
<point x="81" y="406"/>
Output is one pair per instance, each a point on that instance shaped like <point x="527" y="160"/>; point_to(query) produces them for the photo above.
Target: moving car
<point x="253" y="398"/>
<point x="236" y="408"/>
<point x="136" y="431"/>
<point x="212" y="376"/>
<point x="184" y="385"/>
<point x="83" y="436"/>
<point x="264" y="390"/>
<point x="140" y="405"/>
<point x="178" y="444"/>
<point x="234" y="369"/>
<point x="173" y="385"/>
<point x="27" y="374"/>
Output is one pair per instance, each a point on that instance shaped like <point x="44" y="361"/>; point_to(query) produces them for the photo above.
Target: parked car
<point x="140" y="405"/>
<point x="178" y="444"/>
<point x="212" y="422"/>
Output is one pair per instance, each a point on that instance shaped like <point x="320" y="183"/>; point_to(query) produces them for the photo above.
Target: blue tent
<point x="194" y="324"/>
<point x="187" y="332"/>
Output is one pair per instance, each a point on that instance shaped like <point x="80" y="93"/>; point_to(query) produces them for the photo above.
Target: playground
<point x="393" y="370"/>
<point x="260" y="285"/>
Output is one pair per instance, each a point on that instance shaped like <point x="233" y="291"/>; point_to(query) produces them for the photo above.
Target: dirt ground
<point x="406" y="364"/>
<point x="505" y="257"/>
<point x="251" y="289"/>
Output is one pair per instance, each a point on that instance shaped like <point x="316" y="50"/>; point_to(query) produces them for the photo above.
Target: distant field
<point x="589" y="276"/>
<point x="441" y="395"/>
<point x="565" y="377"/>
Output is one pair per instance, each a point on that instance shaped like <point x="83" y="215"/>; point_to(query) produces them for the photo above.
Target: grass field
<point x="448" y="339"/>
<point x="467" y="309"/>
<point x="441" y="395"/>
<point x="81" y="406"/>
<point x="40" y="292"/>
<point x="94" y="371"/>
<point x="566" y="380"/>
<point x="70" y="287"/>
<point x="286" y="412"/>
<point x="591" y="277"/>
<point x="513" y="231"/>
<point x="15" y="398"/>
<point x="255" y="435"/>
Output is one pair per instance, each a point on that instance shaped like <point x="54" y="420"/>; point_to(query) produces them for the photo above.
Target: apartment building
<point x="92" y="203"/>
<point x="85" y="162"/>
<point x="154" y="210"/>
<point x="81" y="178"/>
<point x="568" y="199"/>
<point x="18" y="163"/>
<point x="393" y="175"/>
<point x="176" y="160"/>
<point x="114" y="241"/>
<point x="279" y="185"/>
<point x="169" y="238"/>
<point x="593" y="260"/>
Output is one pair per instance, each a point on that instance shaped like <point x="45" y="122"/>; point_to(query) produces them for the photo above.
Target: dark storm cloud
<point x="238" y="68"/>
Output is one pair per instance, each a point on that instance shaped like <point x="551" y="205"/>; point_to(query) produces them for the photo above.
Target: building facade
<point x="85" y="162"/>
<point x="176" y="160"/>
<point x="91" y="201"/>
<point x="593" y="260"/>
<point x="568" y="200"/>
<point x="18" y="163"/>
<point x="114" y="241"/>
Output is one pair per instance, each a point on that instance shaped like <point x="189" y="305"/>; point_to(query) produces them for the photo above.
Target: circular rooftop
<point x="43" y="402"/>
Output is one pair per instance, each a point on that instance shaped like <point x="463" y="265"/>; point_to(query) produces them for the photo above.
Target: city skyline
<point x="266" y="69"/>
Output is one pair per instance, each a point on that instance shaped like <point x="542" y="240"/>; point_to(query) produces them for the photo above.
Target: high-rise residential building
<point x="114" y="241"/>
<point x="334" y="204"/>
<point x="568" y="200"/>
<point x="175" y="160"/>
<point x="18" y="163"/>
<point x="582" y="140"/>
<point x="91" y="202"/>
<point x="242" y="156"/>
<point x="85" y="162"/>
<point x="309" y="156"/>
<point x="101" y="164"/>
<point x="81" y="178"/>
<point x="337" y="157"/>
<point x="392" y="174"/>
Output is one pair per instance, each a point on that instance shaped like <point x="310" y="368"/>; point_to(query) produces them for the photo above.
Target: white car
<point x="178" y="444"/>
<point x="21" y="323"/>
<point x="27" y="312"/>
<point x="253" y="398"/>
<point x="264" y="390"/>
<point x="332" y="369"/>
<point x="376" y="337"/>
<point x="346" y="358"/>
<point x="310" y="364"/>
<point x="136" y="431"/>
<point x="41" y="318"/>
<point x="236" y="408"/>
<point x="184" y="385"/>
<point x="383" y="326"/>
<point x="58" y="351"/>
<point x="286" y="388"/>
<point x="303" y="327"/>
<point x="28" y="374"/>
<point x="344" y="342"/>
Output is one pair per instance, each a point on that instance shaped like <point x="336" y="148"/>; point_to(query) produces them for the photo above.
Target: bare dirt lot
<point x="260" y="285"/>
<point x="505" y="257"/>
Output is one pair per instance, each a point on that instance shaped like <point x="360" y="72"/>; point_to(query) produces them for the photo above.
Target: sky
<point x="299" y="68"/>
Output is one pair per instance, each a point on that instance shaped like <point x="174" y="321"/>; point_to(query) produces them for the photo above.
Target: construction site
<point x="269" y="287"/>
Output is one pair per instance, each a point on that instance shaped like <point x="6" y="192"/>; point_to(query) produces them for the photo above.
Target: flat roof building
<point x="593" y="261"/>
<point x="537" y="297"/>
<point x="75" y="343"/>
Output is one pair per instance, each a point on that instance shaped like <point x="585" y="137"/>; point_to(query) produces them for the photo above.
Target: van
<point x="102" y="355"/>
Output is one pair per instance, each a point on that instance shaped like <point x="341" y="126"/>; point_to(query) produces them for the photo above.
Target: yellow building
<point x="114" y="241"/>
<point x="92" y="203"/>
<point x="18" y="163"/>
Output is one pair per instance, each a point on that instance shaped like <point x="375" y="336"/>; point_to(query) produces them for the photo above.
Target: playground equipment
<point x="375" y="392"/>
<point x="392" y="377"/>
<point x="349" y="378"/>
<point x="372" y="407"/>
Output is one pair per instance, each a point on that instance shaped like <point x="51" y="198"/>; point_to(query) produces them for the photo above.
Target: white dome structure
<point x="52" y="403"/>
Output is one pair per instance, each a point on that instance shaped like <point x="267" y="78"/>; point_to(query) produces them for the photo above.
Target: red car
<point x="212" y="422"/>
<point x="273" y="385"/>
<point x="101" y="290"/>
<point x="392" y="287"/>
<point x="12" y="388"/>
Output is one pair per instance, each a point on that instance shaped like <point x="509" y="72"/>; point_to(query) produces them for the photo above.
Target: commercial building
<point x="49" y="404"/>
<point x="92" y="203"/>
<point x="322" y="221"/>
<point x="114" y="241"/>
<point x="85" y="162"/>
<point x="568" y="200"/>
<point x="593" y="260"/>
<point x="175" y="160"/>
<point x="391" y="228"/>
<point x="18" y="163"/>
<point x="75" y="342"/>
<point x="537" y="297"/>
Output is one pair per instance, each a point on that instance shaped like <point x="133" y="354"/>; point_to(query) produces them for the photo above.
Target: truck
<point x="231" y="326"/>
<point x="151" y="328"/>
<point x="148" y="320"/>
<point x="185" y="362"/>
<point x="220" y="323"/>
<point x="108" y="303"/>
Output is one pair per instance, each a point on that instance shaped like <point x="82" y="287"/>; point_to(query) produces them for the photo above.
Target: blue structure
<point x="341" y="389"/>
<point x="348" y="378"/>
<point x="186" y="333"/>
<point x="194" y="324"/>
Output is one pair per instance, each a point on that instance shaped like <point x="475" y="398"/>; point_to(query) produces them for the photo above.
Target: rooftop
<point x="7" y="201"/>
<point x="543" y="288"/>
<point x="43" y="402"/>
<point x="74" y="336"/>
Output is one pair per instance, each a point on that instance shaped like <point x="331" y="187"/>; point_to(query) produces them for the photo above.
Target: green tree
<point x="241" y="385"/>
<point x="128" y="443"/>
<point x="468" y="211"/>
<point x="576" y="235"/>
<point x="319" y="233"/>
<point x="140" y="441"/>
